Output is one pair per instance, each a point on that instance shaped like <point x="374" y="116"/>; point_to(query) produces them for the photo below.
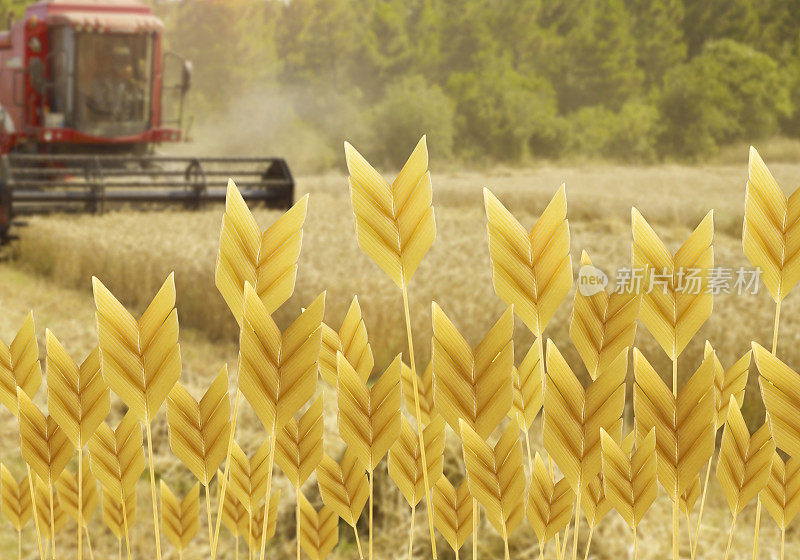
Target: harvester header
<point x="87" y="92"/>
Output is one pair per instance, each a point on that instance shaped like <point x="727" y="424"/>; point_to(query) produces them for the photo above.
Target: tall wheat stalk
<point x="549" y="505"/>
<point x="770" y="245"/>
<point x="528" y="383"/>
<point x="78" y="398"/>
<point x="452" y="512"/>
<point x="267" y="260"/>
<point x="180" y="518"/>
<point x="79" y="502"/>
<point x="395" y="227"/>
<point x="344" y="488"/>
<point x="15" y="503"/>
<point x="531" y="270"/>
<point x="674" y="309"/>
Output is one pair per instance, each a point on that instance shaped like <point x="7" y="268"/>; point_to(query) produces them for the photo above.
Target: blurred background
<point x="646" y="103"/>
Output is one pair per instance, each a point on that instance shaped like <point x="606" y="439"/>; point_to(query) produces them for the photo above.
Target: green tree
<point x="708" y="20"/>
<point x="729" y="92"/>
<point x="657" y="28"/>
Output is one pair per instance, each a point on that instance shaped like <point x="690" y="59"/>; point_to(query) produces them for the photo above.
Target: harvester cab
<point x="86" y="94"/>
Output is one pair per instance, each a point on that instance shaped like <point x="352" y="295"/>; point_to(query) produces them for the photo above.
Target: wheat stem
<point x="125" y="523"/>
<point x="635" y="544"/>
<point x="783" y="539"/>
<point x="475" y="515"/>
<point x="562" y="552"/>
<point x="236" y="537"/>
<point x="505" y="539"/>
<point x="88" y="540"/>
<point x="153" y="489"/>
<point x="420" y="434"/>
<point x="35" y="515"/>
<point x="370" y="514"/>
<point x="541" y="550"/>
<point x="677" y="493"/>
<point x="19" y="545"/>
<point x="530" y="456"/>
<point x="119" y="549"/>
<point x="224" y="483"/>
<point x="208" y="513"/>
<point x="80" y="503"/>
<point x="52" y="522"/>
<point x="589" y="542"/>
<point x="577" y="521"/>
<point x="411" y="535"/>
<point x="755" y="534"/>
<point x="700" y="515"/>
<point x="297" y="519"/>
<point x="270" y="463"/>
<point x="358" y="541"/>
<point x="689" y="531"/>
<point x="730" y="538"/>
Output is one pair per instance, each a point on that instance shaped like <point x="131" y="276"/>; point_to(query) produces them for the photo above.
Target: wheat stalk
<point x="395" y="226"/>
<point x="141" y="360"/>
<point x="248" y="476"/>
<point x="727" y="383"/>
<point x="684" y="425"/>
<point x="277" y="371"/>
<point x="528" y="383"/>
<point x="118" y="516"/>
<point x="405" y="464"/>
<point x="344" y="488"/>
<point x="496" y="477"/>
<point x="574" y="417"/>
<point x="180" y="519"/>
<point x="267" y="259"/>
<point x="15" y="502"/>
<point x="602" y="325"/>
<point x="744" y="463"/>
<point x="452" y="510"/>
<point x="320" y="532"/>
<point x="781" y="495"/>
<point x="549" y="505"/>
<point x="78" y="398"/>
<point x="116" y="458"/>
<point x="630" y="482"/>
<point x="369" y="418"/>
<point x="80" y="502"/>
<point x="425" y="394"/>
<point x="298" y="452"/>
<point x="199" y="432"/>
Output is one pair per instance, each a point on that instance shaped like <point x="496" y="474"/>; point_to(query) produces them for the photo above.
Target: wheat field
<point x="132" y="253"/>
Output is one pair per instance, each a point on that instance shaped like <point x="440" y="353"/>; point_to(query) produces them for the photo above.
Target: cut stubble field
<point x="132" y="252"/>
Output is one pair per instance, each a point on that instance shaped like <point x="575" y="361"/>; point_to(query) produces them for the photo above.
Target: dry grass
<point x="133" y="252"/>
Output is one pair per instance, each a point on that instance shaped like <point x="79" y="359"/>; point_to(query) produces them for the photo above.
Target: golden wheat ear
<point x="549" y="505"/>
<point x="267" y="260"/>
<point x="425" y="397"/>
<point x="67" y="486"/>
<point x="630" y="482"/>
<point x="45" y="446"/>
<point x="496" y="477"/>
<point x="781" y="496"/>
<point x="298" y="450"/>
<point x="684" y="425"/>
<point x="728" y="383"/>
<point x="180" y="519"/>
<point x="344" y="488"/>
<point x="19" y="366"/>
<point x="473" y="386"/>
<point x="674" y="310"/>
<point x="769" y="219"/>
<point x="602" y="325"/>
<point x="320" y="529"/>
<point x="248" y="475"/>
<point x="351" y="340"/>
<point x="452" y="510"/>
<point x="15" y="498"/>
<point x="530" y="270"/>
<point x="199" y="431"/>
<point x="234" y="515"/>
<point x="50" y="514"/>
<point x="779" y="385"/>
<point x="117" y="516"/>
<point x="528" y="379"/>
<point x="744" y="464"/>
<point x="405" y="459"/>
<point x="258" y="536"/>
<point x="116" y="456"/>
<point x="395" y="223"/>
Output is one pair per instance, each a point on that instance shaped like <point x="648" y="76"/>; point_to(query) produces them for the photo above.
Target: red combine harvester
<point x="86" y="93"/>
